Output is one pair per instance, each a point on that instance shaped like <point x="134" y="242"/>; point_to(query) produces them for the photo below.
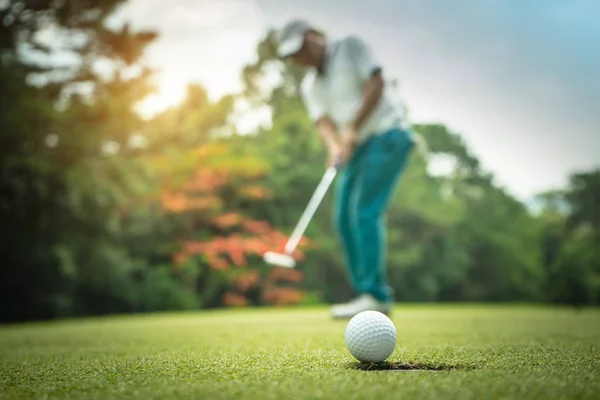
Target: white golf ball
<point x="370" y="336"/>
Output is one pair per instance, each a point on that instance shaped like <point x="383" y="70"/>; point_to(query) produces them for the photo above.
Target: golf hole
<point x="406" y="367"/>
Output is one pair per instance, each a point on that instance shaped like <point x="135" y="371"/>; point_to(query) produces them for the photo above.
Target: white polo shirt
<point x="339" y="91"/>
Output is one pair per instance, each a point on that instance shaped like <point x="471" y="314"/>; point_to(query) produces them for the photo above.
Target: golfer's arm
<point x="328" y="132"/>
<point x="371" y="95"/>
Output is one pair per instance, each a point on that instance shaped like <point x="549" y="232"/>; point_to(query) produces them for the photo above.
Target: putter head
<point x="281" y="260"/>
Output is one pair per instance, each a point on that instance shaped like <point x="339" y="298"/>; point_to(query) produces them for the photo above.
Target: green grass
<point x="477" y="352"/>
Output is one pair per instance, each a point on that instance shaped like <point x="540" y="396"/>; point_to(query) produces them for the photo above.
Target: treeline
<point x="104" y="212"/>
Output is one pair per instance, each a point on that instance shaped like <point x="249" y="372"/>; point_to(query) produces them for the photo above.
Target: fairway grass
<point x="443" y="352"/>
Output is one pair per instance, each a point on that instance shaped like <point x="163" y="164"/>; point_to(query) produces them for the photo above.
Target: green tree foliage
<point x="498" y="235"/>
<point x="63" y="187"/>
<point x="571" y="239"/>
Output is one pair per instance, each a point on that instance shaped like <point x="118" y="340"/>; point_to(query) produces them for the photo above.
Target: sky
<point x="518" y="79"/>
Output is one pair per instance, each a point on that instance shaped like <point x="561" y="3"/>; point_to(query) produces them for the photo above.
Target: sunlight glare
<point x="171" y="92"/>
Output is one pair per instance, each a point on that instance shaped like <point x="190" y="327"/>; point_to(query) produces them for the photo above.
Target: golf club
<point x="285" y="259"/>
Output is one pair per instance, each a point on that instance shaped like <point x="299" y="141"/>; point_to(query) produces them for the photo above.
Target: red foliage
<point x="227" y="220"/>
<point x="199" y="193"/>
<point x="255" y="192"/>
<point x="234" y="300"/>
<point x="284" y="274"/>
<point x="237" y="248"/>
<point x="205" y="179"/>
<point x="256" y="227"/>
<point x="282" y="296"/>
<point x="179" y="258"/>
<point x="247" y="281"/>
<point x="176" y="202"/>
<point x="216" y="262"/>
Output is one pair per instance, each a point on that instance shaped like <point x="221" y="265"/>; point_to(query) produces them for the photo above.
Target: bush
<point x="160" y="290"/>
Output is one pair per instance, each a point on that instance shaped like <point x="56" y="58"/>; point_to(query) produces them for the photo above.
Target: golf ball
<point x="370" y="336"/>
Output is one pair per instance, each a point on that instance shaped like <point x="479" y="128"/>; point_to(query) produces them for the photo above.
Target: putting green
<point x="449" y="351"/>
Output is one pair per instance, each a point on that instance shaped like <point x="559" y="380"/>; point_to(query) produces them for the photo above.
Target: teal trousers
<point x="362" y="194"/>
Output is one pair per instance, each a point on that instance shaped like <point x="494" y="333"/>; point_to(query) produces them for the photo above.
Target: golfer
<point x="367" y="138"/>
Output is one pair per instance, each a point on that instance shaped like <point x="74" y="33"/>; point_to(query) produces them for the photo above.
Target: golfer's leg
<point x="380" y="172"/>
<point x="344" y="220"/>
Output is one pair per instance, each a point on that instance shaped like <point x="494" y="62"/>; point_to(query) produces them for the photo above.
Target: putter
<point x="285" y="259"/>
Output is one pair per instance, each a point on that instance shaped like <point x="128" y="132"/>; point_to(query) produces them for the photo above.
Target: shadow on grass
<point x="399" y="366"/>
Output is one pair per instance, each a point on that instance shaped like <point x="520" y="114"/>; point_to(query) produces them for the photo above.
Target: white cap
<point x="291" y="37"/>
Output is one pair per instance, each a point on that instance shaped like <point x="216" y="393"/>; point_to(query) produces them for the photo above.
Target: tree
<point x="583" y="197"/>
<point x="571" y="239"/>
<point x="499" y="236"/>
<point x="61" y="190"/>
<point x="225" y="246"/>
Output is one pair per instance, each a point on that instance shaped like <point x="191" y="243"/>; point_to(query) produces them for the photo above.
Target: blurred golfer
<point x="367" y="137"/>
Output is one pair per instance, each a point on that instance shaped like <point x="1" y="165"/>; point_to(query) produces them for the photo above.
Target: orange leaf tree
<point x="207" y="186"/>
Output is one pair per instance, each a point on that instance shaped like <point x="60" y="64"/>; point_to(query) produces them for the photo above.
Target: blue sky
<point x="520" y="79"/>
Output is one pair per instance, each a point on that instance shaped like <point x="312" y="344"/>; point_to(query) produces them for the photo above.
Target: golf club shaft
<point x="310" y="209"/>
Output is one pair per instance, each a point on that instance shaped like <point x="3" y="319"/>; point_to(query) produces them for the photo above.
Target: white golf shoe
<point x="365" y="302"/>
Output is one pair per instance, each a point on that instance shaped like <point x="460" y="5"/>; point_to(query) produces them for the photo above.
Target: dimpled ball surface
<point x="370" y="336"/>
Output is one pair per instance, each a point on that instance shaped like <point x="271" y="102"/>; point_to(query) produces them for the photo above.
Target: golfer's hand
<point x="349" y="143"/>
<point x="334" y="157"/>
